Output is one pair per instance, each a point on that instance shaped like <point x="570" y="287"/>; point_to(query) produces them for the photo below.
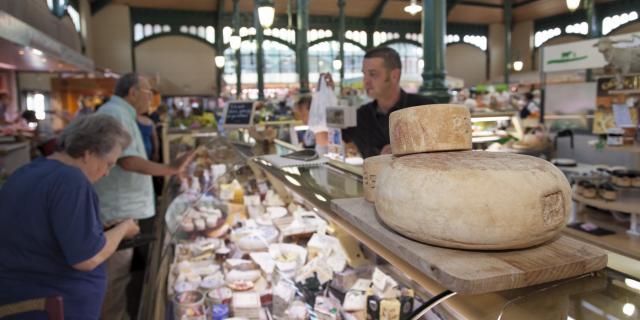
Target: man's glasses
<point x="146" y="90"/>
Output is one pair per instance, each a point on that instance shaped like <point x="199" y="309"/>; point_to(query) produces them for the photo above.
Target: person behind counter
<point x="128" y="191"/>
<point x="381" y="69"/>
<point x="149" y="136"/>
<point x="529" y="108"/>
<point x="301" y="113"/>
<point x="52" y="238"/>
<point x="8" y="111"/>
<point x="5" y="102"/>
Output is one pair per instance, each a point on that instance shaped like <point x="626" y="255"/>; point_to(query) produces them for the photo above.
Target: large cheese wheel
<point x="435" y="127"/>
<point x="372" y="166"/>
<point x="474" y="199"/>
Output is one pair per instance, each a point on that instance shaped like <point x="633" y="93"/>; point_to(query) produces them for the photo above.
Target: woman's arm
<point x="125" y="229"/>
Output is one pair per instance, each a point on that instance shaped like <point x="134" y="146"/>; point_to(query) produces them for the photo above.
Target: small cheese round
<point x="372" y="166"/>
<point x="474" y="199"/>
<point x="435" y="127"/>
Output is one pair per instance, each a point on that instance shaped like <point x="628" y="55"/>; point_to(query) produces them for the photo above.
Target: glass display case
<point x="306" y="193"/>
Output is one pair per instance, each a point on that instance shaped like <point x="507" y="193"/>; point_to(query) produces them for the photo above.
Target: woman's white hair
<point x="96" y="133"/>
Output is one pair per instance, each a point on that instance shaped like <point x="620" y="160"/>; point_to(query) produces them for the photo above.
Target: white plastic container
<point x="615" y="136"/>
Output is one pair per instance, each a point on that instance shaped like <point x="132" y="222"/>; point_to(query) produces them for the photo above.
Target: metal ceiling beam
<point x="486" y="5"/>
<point x="374" y="20"/>
<point x="98" y="5"/>
<point x="451" y="4"/>
<point x="375" y="15"/>
<point x="523" y="3"/>
<point x="481" y="4"/>
<point x="177" y="18"/>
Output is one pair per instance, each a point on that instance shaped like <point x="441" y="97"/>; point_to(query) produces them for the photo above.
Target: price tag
<point x="262" y="187"/>
<point x="622" y="115"/>
<point x="379" y="279"/>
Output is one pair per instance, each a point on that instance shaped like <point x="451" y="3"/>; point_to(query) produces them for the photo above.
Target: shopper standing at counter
<point x="381" y="69"/>
<point x="529" y="107"/>
<point x="128" y="191"/>
<point x="52" y="238"/>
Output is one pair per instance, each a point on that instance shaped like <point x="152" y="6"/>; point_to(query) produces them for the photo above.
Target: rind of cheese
<point x="435" y="127"/>
<point x="474" y="199"/>
<point x="371" y="168"/>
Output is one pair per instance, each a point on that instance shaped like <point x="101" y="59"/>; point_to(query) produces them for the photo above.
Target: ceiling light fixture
<point x="572" y="5"/>
<point x="235" y="42"/>
<point x="518" y="65"/>
<point x="36" y="52"/>
<point x="629" y="309"/>
<point x="220" y="60"/>
<point x="413" y="8"/>
<point x="266" y="13"/>
<point x="337" y="63"/>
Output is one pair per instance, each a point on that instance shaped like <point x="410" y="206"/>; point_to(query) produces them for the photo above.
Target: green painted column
<point x="238" y="74"/>
<point x="592" y="19"/>
<point x="219" y="48"/>
<point x="341" y="31"/>
<point x="302" y="47"/>
<point x="259" y="51"/>
<point x="60" y="8"/>
<point x="236" y="29"/>
<point x="370" y="32"/>
<point x="507" y="39"/>
<point x="594" y="27"/>
<point x="434" y="28"/>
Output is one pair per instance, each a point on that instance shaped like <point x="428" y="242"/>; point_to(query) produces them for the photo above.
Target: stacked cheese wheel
<point x="435" y="190"/>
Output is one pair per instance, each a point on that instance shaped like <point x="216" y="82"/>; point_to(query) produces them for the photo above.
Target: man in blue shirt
<point x="128" y="191"/>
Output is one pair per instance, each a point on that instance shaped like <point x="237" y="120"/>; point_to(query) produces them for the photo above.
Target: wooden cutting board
<point x="472" y="272"/>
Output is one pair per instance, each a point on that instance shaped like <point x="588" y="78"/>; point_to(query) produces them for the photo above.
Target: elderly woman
<point x="51" y="239"/>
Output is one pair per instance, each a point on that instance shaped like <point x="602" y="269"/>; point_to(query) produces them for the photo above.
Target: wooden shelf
<point x="628" y="201"/>
<point x="621" y="242"/>
<point x="473" y="272"/>
<point x="629" y="149"/>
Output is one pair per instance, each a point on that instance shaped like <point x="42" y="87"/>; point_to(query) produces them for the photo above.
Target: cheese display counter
<point x="267" y="242"/>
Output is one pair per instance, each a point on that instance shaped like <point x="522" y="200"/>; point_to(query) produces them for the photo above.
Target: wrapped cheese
<point x="435" y="127"/>
<point x="246" y="305"/>
<point x="474" y="199"/>
<point x="327" y="308"/>
<point x="283" y="294"/>
<point x="355" y="301"/>
<point x="372" y="166"/>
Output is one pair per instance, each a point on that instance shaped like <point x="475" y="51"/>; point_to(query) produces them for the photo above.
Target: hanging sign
<point x="239" y="114"/>
<point x="620" y="53"/>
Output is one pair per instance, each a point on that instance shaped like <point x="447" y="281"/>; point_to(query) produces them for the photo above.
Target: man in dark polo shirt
<point x="381" y="68"/>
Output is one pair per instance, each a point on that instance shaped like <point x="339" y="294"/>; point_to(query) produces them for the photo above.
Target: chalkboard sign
<point x="239" y="114"/>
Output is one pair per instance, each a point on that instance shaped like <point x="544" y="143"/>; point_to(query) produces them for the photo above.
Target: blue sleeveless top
<point x="145" y="132"/>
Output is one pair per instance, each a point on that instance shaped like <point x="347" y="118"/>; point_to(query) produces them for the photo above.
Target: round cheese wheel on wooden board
<point x="372" y="166"/>
<point x="434" y="127"/>
<point x="473" y="199"/>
